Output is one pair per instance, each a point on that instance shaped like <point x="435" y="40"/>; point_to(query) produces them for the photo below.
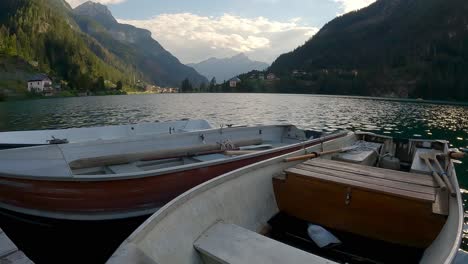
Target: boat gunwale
<point x="458" y="240"/>
<point x="175" y="169"/>
<point x="102" y="128"/>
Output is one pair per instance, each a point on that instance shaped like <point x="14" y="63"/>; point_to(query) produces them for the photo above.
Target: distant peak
<point x="91" y="4"/>
<point x="240" y="55"/>
<point x="94" y="10"/>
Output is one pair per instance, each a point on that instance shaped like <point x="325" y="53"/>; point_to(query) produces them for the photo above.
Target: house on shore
<point x="233" y="82"/>
<point x="42" y="84"/>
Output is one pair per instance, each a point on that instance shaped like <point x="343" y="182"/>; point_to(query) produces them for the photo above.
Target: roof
<point x="39" y="77"/>
<point x="235" y="79"/>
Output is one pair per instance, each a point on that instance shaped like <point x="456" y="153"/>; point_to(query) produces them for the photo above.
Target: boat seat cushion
<point x="227" y="243"/>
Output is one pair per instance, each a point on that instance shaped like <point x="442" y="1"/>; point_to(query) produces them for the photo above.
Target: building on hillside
<point x="261" y="76"/>
<point x="233" y="82"/>
<point x="41" y="83"/>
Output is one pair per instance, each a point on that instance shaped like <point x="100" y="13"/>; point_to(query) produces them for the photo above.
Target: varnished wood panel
<point x="420" y="179"/>
<point x="369" y="213"/>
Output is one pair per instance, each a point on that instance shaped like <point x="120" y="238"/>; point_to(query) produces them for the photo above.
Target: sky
<point x="195" y="30"/>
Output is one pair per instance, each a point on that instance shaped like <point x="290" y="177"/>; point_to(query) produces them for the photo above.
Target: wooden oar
<point x="456" y="155"/>
<point x="90" y="162"/>
<point x="318" y="154"/>
<point x="444" y="175"/>
<point x="426" y="157"/>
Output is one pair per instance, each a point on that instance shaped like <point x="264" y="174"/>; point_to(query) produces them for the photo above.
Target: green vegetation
<point x="148" y="59"/>
<point x="80" y="51"/>
<point x="33" y="31"/>
<point x="186" y="86"/>
<point x="400" y="48"/>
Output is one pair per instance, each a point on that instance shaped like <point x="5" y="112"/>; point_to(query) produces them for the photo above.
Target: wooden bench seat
<point x="393" y="206"/>
<point x="386" y="181"/>
<point x="231" y="244"/>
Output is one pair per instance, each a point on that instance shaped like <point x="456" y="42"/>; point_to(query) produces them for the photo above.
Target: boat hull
<point x="116" y="199"/>
<point x="21" y="139"/>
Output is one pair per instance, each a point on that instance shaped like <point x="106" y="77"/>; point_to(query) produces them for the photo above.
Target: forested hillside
<point x="404" y="48"/>
<point x="82" y="50"/>
<point x="135" y="46"/>
<point x="42" y="32"/>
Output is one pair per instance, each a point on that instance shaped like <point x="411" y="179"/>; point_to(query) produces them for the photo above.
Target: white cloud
<point x="75" y="3"/>
<point x="351" y="5"/>
<point x="193" y="38"/>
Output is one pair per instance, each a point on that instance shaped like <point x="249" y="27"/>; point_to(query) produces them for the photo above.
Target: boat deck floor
<point x="354" y="248"/>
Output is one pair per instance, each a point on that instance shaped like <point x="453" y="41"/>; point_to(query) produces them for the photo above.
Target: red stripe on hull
<point x="114" y="196"/>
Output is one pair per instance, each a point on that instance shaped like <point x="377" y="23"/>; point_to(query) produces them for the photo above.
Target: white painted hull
<point x="76" y="135"/>
<point x="245" y="197"/>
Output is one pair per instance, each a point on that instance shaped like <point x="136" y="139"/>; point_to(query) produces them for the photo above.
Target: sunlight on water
<point x="399" y="119"/>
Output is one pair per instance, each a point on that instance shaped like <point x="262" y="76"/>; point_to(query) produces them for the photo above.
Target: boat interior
<point x="150" y="155"/>
<point x="377" y="202"/>
<point x="198" y="149"/>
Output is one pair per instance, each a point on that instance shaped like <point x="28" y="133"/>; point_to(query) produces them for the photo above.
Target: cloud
<point x="193" y="38"/>
<point x="351" y="5"/>
<point x="75" y="3"/>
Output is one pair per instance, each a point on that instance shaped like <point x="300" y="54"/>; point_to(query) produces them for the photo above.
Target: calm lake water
<point x="400" y="119"/>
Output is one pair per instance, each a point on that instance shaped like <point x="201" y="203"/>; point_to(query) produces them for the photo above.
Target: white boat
<point x="16" y="139"/>
<point x="258" y="213"/>
<point x="133" y="176"/>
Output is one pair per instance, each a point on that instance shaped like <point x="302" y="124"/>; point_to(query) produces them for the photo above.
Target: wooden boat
<point x="17" y="139"/>
<point x="122" y="178"/>
<point x="268" y="212"/>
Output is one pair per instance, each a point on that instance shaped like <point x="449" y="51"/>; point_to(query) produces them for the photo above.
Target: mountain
<point x="44" y="34"/>
<point x="134" y="45"/>
<point x="85" y="48"/>
<point x="225" y="69"/>
<point x="404" y="48"/>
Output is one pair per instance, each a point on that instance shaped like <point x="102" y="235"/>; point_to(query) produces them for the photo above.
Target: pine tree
<point x="186" y="86"/>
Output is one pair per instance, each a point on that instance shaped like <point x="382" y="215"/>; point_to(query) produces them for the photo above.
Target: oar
<point x="318" y="154"/>
<point x="426" y="157"/>
<point x="456" y="155"/>
<point x="444" y="175"/>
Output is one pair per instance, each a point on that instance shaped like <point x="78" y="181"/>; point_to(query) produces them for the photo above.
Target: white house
<point x="40" y="83"/>
<point x="233" y="82"/>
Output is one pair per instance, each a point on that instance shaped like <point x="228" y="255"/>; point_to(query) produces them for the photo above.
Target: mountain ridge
<point x="136" y="45"/>
<point x="223" y="69"/>
<point x="403" y="48"/>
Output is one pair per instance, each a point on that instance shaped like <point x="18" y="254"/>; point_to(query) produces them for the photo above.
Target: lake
<point x="327" y="113"/>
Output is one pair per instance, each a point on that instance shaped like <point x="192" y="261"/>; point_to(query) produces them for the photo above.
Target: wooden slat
<point x="362" y="185"/>
<point x="420" y="179"/>
<point x="372" y="180"/>
<point x="441" y="204"/>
